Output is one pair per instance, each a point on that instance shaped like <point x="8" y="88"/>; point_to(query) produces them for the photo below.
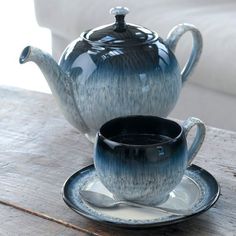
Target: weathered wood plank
<point x="16" y="223"/>
<point x="39" y="150"/>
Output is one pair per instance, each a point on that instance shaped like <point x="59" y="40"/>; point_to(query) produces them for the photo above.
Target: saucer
<point x="197" y="192"/>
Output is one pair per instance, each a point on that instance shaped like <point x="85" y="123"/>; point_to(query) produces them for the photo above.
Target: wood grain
<point x="39" y="150"/>
<point x="17" y="223"/>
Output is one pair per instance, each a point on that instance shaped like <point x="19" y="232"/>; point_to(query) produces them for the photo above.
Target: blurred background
<point x="210" y="94"/>
<point x="19" y="28"/>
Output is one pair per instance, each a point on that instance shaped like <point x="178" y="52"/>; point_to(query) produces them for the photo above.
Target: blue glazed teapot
<point x="116" y="70"/>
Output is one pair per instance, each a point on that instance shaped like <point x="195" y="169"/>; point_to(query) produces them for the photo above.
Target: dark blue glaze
<point x="142" y="173"/>
<point x="153" y="57"/>
<point x="133" y="35"/>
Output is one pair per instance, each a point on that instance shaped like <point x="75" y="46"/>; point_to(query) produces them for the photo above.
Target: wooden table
<point x="39" y="150"/>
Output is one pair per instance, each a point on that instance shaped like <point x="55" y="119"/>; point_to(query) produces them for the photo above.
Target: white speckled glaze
<point x="110" y="72"/>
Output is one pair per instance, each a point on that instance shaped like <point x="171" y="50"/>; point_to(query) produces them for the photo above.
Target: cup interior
<point x="139" y="127"/>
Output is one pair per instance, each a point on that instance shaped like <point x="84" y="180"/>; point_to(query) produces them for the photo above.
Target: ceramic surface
<point x="145" y="173"/>
<point x="198" y="191"/>
<point x="116" y="70"/>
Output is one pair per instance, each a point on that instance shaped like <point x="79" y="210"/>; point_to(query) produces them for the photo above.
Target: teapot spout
<point x="56" y="78"/>
<point x="59" y="83"/>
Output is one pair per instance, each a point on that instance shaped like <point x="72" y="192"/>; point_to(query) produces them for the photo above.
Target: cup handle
<point x="199" y="137"/>
<point x="172" y="40"/>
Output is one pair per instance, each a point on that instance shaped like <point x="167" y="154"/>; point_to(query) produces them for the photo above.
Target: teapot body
<point x="119" y="69"/>
<point x="109" y="82"/>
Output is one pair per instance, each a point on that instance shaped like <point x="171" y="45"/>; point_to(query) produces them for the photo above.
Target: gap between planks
<point x="46" y="217"/>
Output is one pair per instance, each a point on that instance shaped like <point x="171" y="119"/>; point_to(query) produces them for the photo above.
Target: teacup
<point x="143" y="158"/>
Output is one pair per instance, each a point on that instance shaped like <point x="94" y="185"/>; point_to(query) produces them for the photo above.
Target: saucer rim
<point x="145" y="225"/>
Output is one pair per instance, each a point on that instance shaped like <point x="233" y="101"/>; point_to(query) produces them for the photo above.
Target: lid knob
<point x="119" y="12"/>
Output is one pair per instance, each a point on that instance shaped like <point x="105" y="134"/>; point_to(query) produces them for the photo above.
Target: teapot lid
<point x="120" y="33"/>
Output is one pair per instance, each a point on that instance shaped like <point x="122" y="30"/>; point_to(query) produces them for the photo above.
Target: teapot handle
<point x="172" y="40"/>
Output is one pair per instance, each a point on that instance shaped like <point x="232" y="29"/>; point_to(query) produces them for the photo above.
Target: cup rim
<point x="115" y="143"/>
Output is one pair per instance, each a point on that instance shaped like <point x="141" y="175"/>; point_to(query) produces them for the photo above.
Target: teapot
<point x="116" y="70"/>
